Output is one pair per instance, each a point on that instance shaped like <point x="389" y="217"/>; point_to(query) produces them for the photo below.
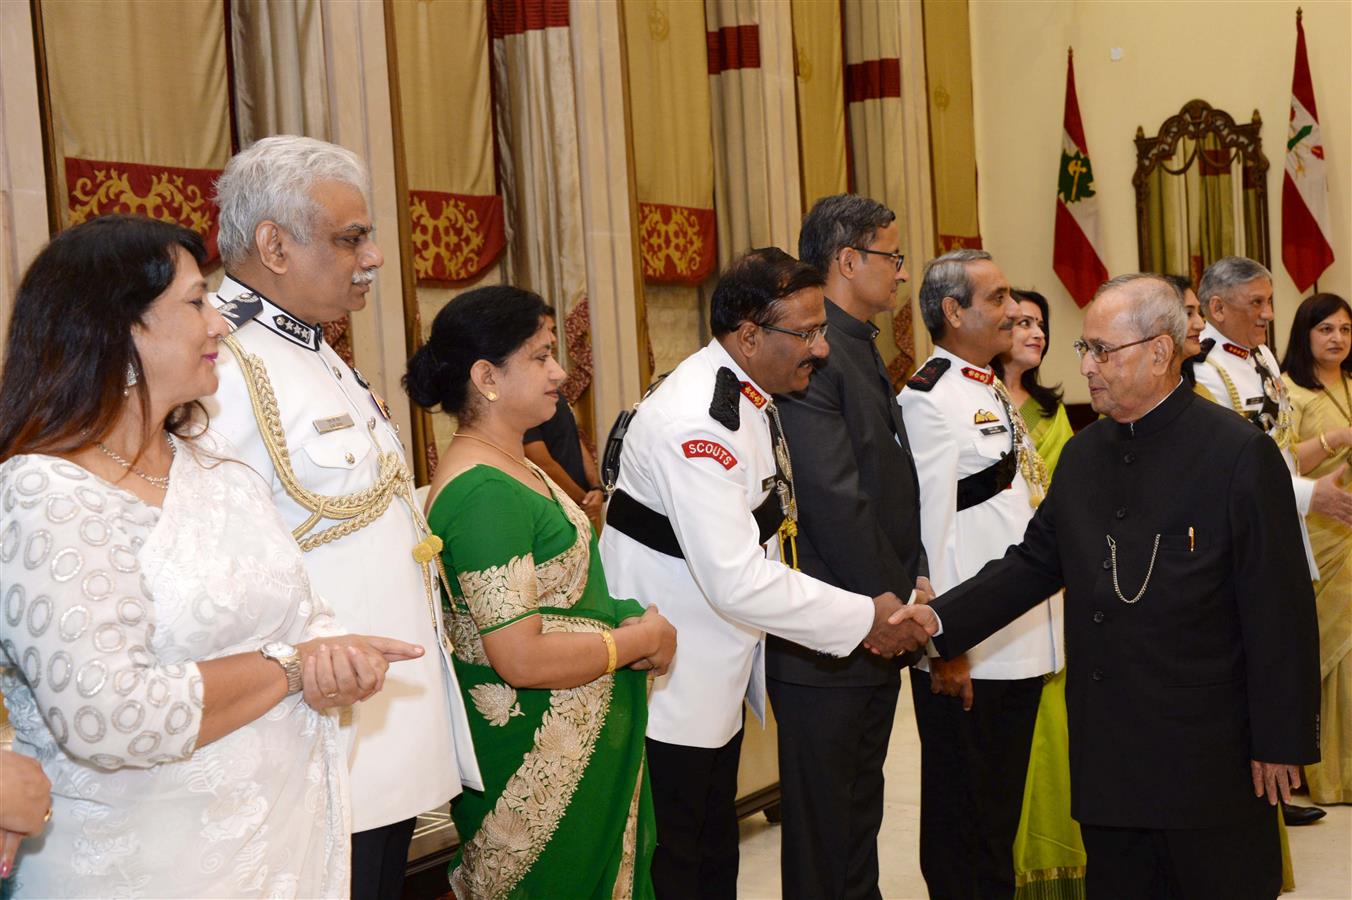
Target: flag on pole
<point x="1075" y="258"/>
<point x="1306" y="246"/>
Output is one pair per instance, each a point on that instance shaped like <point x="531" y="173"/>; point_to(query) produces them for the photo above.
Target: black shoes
<point x="1295" y="815"/>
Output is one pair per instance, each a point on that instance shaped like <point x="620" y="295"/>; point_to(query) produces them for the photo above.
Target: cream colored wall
<point x="1237" y="56"/>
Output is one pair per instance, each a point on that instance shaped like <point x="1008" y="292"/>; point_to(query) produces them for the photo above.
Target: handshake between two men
<point x="900" y="627"/>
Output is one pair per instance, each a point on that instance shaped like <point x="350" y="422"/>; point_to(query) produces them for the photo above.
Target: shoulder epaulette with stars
<point x="727" y="399"/>
<point x="929" y="374"/>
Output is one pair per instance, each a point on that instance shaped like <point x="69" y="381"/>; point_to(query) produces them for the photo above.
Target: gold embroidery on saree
<point x="624" y="878"/>
<point x="497" y="703"/>
<point x="537" y="795"/>
<point x="499" y="594"/>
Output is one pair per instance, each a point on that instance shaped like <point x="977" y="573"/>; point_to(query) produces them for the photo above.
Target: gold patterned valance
<point x="167" y="193"/>
<point x="455" y="236"/>
<point x="679" y="243"/>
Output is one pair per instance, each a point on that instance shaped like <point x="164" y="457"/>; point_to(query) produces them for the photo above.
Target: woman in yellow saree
<point x="1317" y="371"/>
<point x="553" y="670"/>
<point x="1049" y="857"/>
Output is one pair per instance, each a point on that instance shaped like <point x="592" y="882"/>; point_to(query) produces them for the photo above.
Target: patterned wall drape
<point x="446" y="100"/>
<point x="952" y="129"/>
<point x="540" y="179"/>
<point x="875" y="117"/>
<point x="820" y="70"/>
<point x="673" y="169"/>
<point x="144" y="129"/>
<point x="280" y="84"/>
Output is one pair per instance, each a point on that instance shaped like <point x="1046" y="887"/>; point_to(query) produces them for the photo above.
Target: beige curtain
<point x="540" y="180"/>
<point x="875" y="116"/>
<point x="820" y="70"/>
<point x="144" y="129"/>
<point x="277" y="49"/>
<point x="673" y="169"/>
<point x="952" y="129"/>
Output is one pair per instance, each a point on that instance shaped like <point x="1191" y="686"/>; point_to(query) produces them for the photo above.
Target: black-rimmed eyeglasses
<point x="807" y="337"/>
<point x="1101" y="351"/>
<point x="899" y="259"/>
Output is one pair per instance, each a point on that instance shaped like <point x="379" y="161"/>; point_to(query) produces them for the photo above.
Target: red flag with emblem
<point x="1306" y="248"/>
<point x="1075" y="257"/>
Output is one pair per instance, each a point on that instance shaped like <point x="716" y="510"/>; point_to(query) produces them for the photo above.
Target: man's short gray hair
<point x="946" y="276"/>
<point x="1157" y="308"/>
<point x="1226" y="274"/>
<point x="271" y="180"/>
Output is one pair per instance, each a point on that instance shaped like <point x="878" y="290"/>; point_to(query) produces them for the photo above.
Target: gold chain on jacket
<point x="1031" y="464"/>
<point x="353" y="511"/>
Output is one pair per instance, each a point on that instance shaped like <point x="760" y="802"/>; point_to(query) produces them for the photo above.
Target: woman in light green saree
<point x="552" y="669"/>
<point x="1049" y="857"/>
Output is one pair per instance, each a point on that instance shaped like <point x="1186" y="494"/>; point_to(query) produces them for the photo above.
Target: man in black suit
<point x="1193" y="676"/>
<point x="859" y="528"/>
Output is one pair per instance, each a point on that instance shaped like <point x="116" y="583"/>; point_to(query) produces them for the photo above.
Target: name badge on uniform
<point x="767" y="482"/>
<point x="1254" y="401"/>
<point x="333" y="423"/>
<point x="994" y="429"/>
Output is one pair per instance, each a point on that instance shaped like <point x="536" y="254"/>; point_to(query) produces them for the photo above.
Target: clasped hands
<point x="348" y="668"/>
<point x="663" y="637"/>
<point x="899" y="628"/>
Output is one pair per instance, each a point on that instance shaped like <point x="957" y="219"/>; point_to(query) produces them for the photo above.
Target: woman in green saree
<point x="552" y="669"/>
<point x="1049" y="857"/>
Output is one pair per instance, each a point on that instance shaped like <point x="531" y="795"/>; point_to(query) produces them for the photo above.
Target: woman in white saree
<point x="166" y="660"/>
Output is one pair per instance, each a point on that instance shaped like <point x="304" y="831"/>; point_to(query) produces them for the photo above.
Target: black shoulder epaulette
<point x="929" y="374"/>
<point x="1189" y="364"/>
<point x="239" y="310"/>
<point x="1206" y="348"/>
<point x="725" y="407"/>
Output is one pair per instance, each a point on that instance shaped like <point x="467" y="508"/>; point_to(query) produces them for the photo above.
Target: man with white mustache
<point x="980" y="480"/>
<point x="295" y="237"/>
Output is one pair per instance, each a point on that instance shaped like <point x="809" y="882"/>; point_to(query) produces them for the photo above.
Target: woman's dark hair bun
<point x="487" y="323"/>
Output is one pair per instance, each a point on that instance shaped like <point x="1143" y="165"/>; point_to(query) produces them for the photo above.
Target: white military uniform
<point x="957" y="428"/>
<point x="729" y="589"/>
<point x="1230" y="372"/>
<point x="412" y="744"/>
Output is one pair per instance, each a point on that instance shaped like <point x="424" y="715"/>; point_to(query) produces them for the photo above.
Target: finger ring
<point x="331" y="696"/>
<point x="48" y="817"/>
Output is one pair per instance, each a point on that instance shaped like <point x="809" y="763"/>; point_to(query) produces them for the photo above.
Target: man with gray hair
<point x="980" y="480"/>
<point x="295" y="237"/>
<point x="1241" y="372"/>
<point x="1193" y="687"/>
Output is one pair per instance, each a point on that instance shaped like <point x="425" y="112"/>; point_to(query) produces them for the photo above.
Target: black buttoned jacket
<point x="858" y="498"/>
<point x="1170" y="697"/>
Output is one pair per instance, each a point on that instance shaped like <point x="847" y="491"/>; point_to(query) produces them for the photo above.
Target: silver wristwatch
<point x="288" y="657"/>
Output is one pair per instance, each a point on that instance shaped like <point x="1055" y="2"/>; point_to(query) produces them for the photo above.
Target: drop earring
<point x="132" y="378"/>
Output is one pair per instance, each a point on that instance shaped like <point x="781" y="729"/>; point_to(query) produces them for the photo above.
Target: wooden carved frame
<point x="1196" y="119"/>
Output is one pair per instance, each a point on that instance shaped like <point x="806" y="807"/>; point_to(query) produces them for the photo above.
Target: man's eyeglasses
<point x="1101" y="351"/>
<point x="807" y="337"/>
<point x="898" y="258"/>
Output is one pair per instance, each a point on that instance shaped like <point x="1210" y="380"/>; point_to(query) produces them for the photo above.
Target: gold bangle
<point x="1324" y="442"/>
<point x="611" y="657"/>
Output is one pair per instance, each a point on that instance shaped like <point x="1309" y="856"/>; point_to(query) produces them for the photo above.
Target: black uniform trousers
<point x="973" y="766"/>
<point x="695" y="804"/>
<point x="1241" y="860"/>
<point x="379" y="860"/>
<point x="832" y="745"/>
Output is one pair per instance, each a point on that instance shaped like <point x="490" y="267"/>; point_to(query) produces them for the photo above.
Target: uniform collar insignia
<point x="253" y="305"/>
<point x="756" y="397"/>
<point x="1236" y="350"/>
<point x="726" y="400"/>
<point x="978" y="375"/>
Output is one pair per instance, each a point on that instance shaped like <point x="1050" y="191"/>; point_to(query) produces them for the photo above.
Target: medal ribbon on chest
<point x="788" y="501"/>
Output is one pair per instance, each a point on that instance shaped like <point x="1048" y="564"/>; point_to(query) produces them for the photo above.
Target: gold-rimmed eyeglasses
<point x="807" y="337"/>
<point x="1101" y="351"/>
